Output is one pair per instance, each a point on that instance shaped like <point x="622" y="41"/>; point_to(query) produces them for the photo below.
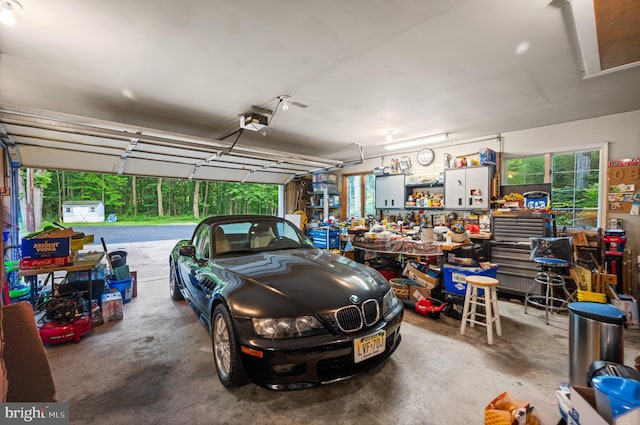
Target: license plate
<point x="369" y="346"/>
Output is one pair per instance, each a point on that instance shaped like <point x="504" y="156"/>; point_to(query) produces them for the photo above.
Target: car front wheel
<point x="174" y="289"/>
<point x="225" y="349"/>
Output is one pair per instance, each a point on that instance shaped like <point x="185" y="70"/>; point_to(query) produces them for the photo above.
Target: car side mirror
<point x="188" y="251"/>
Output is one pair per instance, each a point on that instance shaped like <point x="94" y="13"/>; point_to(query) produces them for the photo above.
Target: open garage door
<point x="56" y="141"/>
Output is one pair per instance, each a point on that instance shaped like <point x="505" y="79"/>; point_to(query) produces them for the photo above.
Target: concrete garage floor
<point x="156" y="367"/>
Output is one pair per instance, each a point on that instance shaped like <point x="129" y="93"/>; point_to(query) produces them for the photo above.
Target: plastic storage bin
<point x="616" y="396"/>
<point x="325" y="178"/>
<point x="318" y="201"/>
<point x="319" y="187"/>
<point x="125" y="287"/>
<point x="455" y="277"/>
<point x="325" y="238"/>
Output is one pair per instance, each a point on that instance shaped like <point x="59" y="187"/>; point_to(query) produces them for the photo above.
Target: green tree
<point x="132" y="197"/>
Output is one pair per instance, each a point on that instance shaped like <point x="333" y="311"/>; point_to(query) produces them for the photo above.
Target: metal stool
<point x="489" y="301"/>
<point x="548" y="279"/>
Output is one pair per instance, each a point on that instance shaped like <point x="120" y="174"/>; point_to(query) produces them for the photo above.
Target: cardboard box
<point x="44" y="248"/>
<point x="421" y="279"/>
<point x="584" y="410"/>
<point x="349" y="254"/>
<point x="112" y="307"/>
<point x="418" y="293"/>
<point x="487" y="156"/>
<point x="629" y="305"/>
<point x="37" y="263"/>
<point x="407" y="289"/>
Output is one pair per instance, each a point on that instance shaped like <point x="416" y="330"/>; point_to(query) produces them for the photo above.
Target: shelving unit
<point x="425" y="188"/>
<point x="318" y="200"/>
<point x="324" y="195"/>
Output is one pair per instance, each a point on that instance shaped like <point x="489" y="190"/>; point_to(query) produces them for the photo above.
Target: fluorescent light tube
<point x="435" y="138"/>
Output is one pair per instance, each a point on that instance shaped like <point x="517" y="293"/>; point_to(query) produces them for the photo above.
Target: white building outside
<point x="83" y="212"/>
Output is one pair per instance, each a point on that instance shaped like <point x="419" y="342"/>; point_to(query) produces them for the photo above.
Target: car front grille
<point x="349" y="319"/>
<point x="352" y="318"/>
<point x="371" y="312"/>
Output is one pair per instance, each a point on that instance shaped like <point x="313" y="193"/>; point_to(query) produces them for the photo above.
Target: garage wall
<point x="618" y="135"/>
<point x="454" y="149"/>
<point x="621" y="131"/>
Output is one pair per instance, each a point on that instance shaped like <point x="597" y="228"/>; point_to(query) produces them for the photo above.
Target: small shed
<point x="83" y="212"/>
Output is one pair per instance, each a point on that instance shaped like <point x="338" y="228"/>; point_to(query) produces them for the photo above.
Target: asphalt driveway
<point x="117" y="234"/>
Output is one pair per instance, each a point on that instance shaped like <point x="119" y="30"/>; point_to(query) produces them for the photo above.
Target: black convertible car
<point x="282" y="313"/>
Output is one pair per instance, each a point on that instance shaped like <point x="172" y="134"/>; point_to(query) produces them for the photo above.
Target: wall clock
<point x="425" y="156"/>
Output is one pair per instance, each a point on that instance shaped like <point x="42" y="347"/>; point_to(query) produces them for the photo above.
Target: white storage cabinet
<point x="467" y="188"/>
<point x="390" y="192"/>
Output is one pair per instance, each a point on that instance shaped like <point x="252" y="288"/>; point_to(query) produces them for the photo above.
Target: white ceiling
<point x="179" y="73"/>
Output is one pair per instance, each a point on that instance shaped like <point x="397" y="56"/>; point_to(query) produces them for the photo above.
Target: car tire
<point x="174" y="288"/>
<point x="226" y="351"/>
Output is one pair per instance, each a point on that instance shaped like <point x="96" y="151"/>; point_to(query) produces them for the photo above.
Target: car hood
<point x="292" y="282"/>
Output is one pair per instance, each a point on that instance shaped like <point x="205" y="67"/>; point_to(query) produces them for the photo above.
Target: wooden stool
<point x="489" y="301"/>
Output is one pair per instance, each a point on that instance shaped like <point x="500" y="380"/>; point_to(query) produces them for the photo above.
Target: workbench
<point x="81" y="262"/>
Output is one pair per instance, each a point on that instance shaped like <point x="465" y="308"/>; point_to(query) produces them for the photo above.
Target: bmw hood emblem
<point x="354" y="299"/>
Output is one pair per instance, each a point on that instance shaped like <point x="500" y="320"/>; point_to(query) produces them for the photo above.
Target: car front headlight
<point x="389" y="302"/>
<point x="287" y="327"/>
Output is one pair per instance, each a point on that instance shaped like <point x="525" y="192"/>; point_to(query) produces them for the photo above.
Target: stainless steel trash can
<point x="595" y="333"/>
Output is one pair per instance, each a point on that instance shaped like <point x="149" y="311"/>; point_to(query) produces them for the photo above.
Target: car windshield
<point x="257" y="235"/>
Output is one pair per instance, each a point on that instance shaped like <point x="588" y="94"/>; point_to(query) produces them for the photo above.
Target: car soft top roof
<point x="242" y="217"/>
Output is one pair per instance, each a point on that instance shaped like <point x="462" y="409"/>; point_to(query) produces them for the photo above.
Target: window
<point x="574" y="188"/>
<point x="574" y="183"/>
<point x="528" y="170"/>
<point x="92" y="209"/>
<point x="360" y="195"/>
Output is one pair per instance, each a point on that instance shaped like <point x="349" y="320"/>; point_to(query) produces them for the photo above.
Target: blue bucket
<point x="616" y="396"/>
<point x="125" y="287"/>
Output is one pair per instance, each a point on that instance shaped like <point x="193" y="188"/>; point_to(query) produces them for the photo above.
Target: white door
<point x="477" y="188"/>
<point x="454" y="188"/>
<point x="390" y="192"/>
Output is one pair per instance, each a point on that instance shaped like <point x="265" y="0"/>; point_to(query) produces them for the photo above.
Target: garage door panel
<point x="44" y="157"/>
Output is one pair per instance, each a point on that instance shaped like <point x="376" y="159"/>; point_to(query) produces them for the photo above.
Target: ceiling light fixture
<point x="286" y="100"/>
<point x="522" y="47"/>
<point x="128" y="94"/>
<point x="434" y="138"/>
<point x="7" y="13"/>
<point x="389" y="136"/>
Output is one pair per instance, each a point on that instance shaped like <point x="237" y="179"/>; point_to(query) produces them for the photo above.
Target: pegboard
<point x="623" y="185"/>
